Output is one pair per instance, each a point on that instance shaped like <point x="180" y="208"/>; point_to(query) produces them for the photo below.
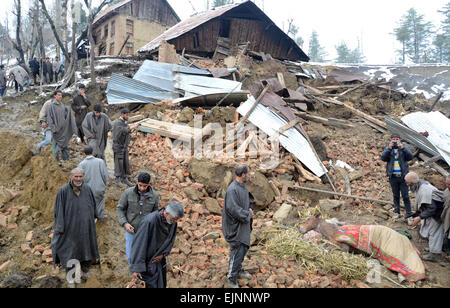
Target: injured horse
<point x="393" y="249"/>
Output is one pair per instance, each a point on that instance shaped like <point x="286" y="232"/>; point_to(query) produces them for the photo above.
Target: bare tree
<point x="92" y="15"/>
<point x="18" y="43"/>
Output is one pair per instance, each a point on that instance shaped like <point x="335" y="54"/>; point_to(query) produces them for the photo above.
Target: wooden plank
<point x="435" y="166"/>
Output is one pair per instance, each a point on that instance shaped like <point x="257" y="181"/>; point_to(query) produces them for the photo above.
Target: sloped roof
<point x="198" y="20"/>
<point x="110" y="10"/>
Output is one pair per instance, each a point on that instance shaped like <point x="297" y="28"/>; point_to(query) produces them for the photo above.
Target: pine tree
<point x="343" y="53"/>
<point x="316" y="52"/>
<point x="443" y="39"/>
<point x="414" y="33"/>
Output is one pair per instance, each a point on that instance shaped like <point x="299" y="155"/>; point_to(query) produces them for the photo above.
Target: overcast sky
<point x="347" y="20"/>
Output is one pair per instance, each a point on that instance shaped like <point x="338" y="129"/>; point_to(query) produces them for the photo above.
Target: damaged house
<point x="128" y="25"/>
<point x="215" y="33"/>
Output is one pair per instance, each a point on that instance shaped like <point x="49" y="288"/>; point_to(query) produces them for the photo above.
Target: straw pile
<point x="289" y="243"/>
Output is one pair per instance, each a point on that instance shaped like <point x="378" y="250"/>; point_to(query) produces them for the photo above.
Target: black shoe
<point x="127" y="182"/>
<point x="119" y="182"/>
<point x="431" y="257"/>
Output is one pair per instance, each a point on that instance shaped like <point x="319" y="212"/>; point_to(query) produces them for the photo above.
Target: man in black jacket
<point x="237" y="224"/>
<point x="34" y="67"/>
<point x="397" y="157"/>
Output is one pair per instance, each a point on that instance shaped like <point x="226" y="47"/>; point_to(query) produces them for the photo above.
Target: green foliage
<point x="414" y="33"/>
<point x="316" y="52"/>
<point x="346" y="55"/>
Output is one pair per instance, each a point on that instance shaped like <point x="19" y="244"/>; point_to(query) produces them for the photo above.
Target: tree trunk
<point x="55" y="33"/>
<point x="64" y="28"/>
<point x="18" y="44"/>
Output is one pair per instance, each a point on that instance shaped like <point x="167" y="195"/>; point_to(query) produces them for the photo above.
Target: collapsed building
<point x="214" y="33"/>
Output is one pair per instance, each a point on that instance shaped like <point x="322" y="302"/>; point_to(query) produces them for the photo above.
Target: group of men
<point x="51" y="70"/>
<point x="431" y="208"/>
<point x="150" y="230"/>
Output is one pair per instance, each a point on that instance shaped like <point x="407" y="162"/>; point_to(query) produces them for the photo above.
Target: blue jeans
<point x="128" y="242"/>
<point x="47" y="140"/>
<point x="2" y="91"/>
<point x="398" y="186"/>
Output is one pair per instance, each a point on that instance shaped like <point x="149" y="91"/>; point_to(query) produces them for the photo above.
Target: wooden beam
<point x="342" y="195"/>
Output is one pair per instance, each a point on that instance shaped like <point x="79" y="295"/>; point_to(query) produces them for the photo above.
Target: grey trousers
<point x="434" y="232"/>
<point x="121" y="164"/>
<point x="237" y="255"/>
<point x="101" y="207"/>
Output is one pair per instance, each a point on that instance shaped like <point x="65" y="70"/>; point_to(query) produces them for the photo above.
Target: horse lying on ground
<point x="392" y="249"/>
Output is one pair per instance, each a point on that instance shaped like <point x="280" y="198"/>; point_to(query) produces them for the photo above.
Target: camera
<point x="395" y="145"/>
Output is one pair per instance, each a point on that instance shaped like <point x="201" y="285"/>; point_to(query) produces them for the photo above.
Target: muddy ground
<point x="29" y="185"/>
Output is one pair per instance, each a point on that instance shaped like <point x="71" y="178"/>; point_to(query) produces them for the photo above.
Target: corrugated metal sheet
<point x="156" y="81"/>
<point x="411" y="136"/>
<point x="438" y="127"/>
<point x="122" y="90"/>
<point x="292" y="140"/>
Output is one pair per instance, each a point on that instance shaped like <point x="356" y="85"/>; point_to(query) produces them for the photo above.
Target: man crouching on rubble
<point x="397" y="157"/>
<point x="237" y="224"/>
<point x="152" y="244"/>
<point x="429" y="205"/>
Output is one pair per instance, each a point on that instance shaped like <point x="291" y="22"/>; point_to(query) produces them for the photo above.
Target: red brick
<point x="4" y="266"/>
<point x="47" y="252"/>
<point x="49" y="260"/>
<point x="3" y="220"/>
<point x="39" y="248"/>
<point x="25" y="248"/>
<point x="12" y="227"/>
<point x="29" y="236"/>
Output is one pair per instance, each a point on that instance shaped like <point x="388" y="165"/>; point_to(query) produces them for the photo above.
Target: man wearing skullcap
<point x="153" y="243"/>
<point x="429" y="206"/>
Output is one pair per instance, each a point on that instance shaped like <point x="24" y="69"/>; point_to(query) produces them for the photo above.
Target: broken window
<point x="129" y="49"/>
<point x="113" y="28"/>
<point x="130" y="27"/>
<point x="105" y="33"/>
<point x="111" y="49"/>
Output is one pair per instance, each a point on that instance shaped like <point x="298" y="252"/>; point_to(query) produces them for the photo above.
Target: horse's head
<point x="310" y="224"/>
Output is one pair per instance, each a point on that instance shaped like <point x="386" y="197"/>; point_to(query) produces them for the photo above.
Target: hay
<point x="289" y="243"/>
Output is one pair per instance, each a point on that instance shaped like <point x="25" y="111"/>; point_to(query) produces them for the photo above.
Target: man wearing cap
<point x="153" y="243"/>
<point x="237" y="224"/>
<point x="397" y="156"/>
<point x="96" y="126"/>
<point x="121" y="139"/>
<point x="429" y="207"/>
<point x="96" y="177"/>
<point x="80" y="106"/>
<point x="134" y="204"/>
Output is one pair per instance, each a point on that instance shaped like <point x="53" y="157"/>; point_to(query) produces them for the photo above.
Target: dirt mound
<point x="37" y="178"/>
<point x="14" y="154"/>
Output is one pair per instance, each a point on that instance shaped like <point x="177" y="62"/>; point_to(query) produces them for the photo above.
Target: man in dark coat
<point x="121" y="139"/>
<point x="43" y="66"/>
<point x="49" y="69"/>
<point x="34" y="67"/>
<point x="75" y="238"/>
<point x="152" y="244"/>
<point x="62" y="124"/>
<point x="96" y="126"/>
<point x="397" y="157"/>
<point x="237" y="224"/>
<point x="80" y="106"/>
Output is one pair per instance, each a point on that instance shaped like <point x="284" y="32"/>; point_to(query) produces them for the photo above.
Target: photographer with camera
<point x="397" y="157"/>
